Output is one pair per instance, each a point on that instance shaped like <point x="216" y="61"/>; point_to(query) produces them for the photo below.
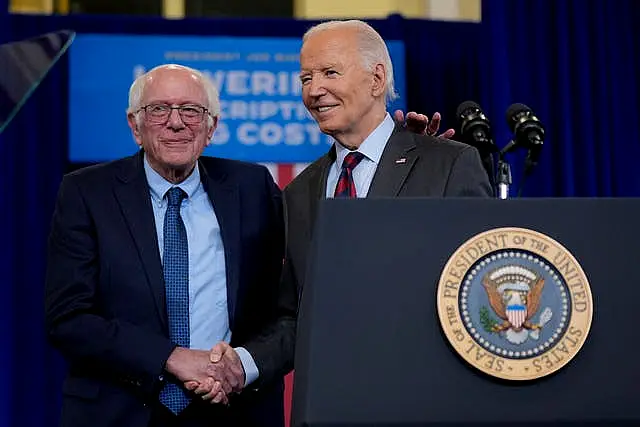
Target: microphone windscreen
<point x="465" y="106"/>
<point x="513" y="111"/>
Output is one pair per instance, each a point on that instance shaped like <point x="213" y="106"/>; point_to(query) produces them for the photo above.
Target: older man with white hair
<point x="154" y="259"/>
<point x="347" y="79"/>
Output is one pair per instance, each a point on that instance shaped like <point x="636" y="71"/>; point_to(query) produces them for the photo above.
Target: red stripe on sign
<point x="288" y="396"/>
<point x="286" y="173"/>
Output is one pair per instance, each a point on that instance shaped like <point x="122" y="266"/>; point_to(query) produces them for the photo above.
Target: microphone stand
<point x="531" y="161"/>
<point x="503" y="177"/>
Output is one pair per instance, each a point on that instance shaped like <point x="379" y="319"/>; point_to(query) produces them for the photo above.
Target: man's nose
<point x="175" y="121"/>
<point x="317" y="88"/>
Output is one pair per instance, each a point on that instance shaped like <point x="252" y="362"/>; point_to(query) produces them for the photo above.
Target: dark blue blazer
<point x="105" y="301"/>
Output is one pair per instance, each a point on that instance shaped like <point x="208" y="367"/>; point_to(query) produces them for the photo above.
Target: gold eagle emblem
<point x="514" y="295"/>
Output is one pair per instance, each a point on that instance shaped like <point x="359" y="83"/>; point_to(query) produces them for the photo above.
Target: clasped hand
<point x="212" y="375"/>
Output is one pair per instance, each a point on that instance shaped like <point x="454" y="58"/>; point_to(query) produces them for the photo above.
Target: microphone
<point x="528" y="132"/>
<point x="475" y="128"/>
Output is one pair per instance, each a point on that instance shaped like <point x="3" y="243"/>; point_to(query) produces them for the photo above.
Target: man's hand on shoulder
<point x="420" y="124"/>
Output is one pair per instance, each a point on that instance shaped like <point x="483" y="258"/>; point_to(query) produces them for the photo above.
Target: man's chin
<point x="178" y="163"/>
<point x="328" y="128"/>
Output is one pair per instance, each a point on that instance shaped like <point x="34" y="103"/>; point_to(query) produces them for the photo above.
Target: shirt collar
<point x="159" y="186"/>
<point x="373" y="146"/>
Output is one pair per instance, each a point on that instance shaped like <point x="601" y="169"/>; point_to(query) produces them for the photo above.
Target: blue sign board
<point x="262" y="118"/>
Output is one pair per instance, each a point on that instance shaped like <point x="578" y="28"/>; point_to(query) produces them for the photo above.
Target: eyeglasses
<point x="160" y="113"/>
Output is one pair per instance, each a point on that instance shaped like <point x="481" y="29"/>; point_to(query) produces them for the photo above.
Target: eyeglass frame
<point x="171" y="107"/>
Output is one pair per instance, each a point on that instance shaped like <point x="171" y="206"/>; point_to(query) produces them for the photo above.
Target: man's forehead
<point x="322" y="61"/>
<point x="172" y="79"/>
<point x="171" y="85"/>
<point x="330" y="40"/>
<point x="319" y="53"/>
<point x="172" y="75"/>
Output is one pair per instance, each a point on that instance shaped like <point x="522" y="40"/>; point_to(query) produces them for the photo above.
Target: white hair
<point x="137" y="89"/>
<point x="371" y="46"/>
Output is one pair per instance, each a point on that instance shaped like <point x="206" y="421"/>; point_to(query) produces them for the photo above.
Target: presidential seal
<point x="514" y="303"/>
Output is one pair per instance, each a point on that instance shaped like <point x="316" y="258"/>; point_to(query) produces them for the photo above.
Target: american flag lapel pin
<point x="401" y="160"/>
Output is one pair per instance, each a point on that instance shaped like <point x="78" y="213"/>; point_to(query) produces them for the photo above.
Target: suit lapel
<point x="317" y="182"/>
<point x="396" y="163"/>
<point x="132" y="193"/>
<point x="225" y="199"/>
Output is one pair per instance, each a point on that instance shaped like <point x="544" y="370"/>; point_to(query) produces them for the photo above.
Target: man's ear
<point x="379" y="80"/>
<point x="133" y="125"/>
<point x="212" y="128"/>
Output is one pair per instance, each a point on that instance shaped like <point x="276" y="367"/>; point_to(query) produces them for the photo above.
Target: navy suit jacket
<point x="105" y="300"/>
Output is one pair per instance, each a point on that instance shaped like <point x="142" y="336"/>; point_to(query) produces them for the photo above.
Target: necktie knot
<point x="175" y="196"/>
<point x="352" y="160"/>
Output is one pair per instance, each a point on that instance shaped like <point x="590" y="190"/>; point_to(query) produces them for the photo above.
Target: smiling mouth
<point x="175" y="141"/>
<point x="325" y="108"/>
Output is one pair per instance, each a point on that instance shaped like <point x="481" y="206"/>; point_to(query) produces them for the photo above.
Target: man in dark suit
<point x="155" y="258"/>
<point x="347" y="78"/>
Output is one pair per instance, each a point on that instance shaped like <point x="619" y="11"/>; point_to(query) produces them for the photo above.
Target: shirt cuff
<point x="251" y="372"/>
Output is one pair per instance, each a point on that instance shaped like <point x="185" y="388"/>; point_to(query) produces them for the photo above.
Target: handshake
<point x="212" y="375"/>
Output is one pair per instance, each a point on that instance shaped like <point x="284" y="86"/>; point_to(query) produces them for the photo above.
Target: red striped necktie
<point x="346" y="187"/>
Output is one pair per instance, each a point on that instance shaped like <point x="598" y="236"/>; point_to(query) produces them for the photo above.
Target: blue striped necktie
<point x="176" y="280"/>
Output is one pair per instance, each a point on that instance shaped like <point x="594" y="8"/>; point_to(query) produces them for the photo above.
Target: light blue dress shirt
<point x="372" y="148"/>
<point x="208" y="310"/>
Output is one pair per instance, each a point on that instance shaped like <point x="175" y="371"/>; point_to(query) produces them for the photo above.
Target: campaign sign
<point x="262" y="117"/>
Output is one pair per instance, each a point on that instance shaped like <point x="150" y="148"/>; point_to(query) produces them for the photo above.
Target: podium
<point x="377" y="341"/>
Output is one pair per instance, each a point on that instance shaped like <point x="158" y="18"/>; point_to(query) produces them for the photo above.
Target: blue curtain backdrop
<point x="575" y="63"/>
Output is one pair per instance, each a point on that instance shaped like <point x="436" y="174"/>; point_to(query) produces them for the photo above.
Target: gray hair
<point x="137" y="89"/>
<point x="371" y="46"/>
